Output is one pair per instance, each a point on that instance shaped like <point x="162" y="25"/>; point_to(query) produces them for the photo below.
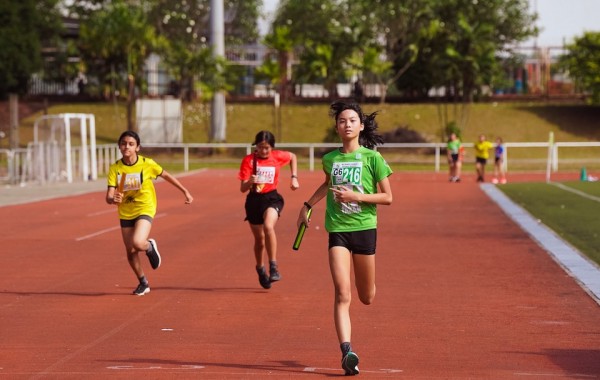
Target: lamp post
<point x="218" y="121"/>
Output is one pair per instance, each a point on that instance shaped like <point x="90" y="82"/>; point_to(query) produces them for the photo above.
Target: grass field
<point x="564" y="208"/>
<point x="310" y="122"/>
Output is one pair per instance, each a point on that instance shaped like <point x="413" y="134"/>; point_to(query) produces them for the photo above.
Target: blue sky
<point x="560" y="20"/>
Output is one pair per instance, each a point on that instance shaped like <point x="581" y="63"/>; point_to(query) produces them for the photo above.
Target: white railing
<point x="17" y="166"/>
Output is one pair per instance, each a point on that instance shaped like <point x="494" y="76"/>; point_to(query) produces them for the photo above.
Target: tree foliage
<point x="582" y="62"/>
<point x="25" y="26"/>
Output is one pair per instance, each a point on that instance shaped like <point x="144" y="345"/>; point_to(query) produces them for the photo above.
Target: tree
<point x="323" y="38"/>
<point x="465" y="48"/>
<point x="280" y="41"/>
<point x="25" y="26"/>
<point x="116" y="40"/>
<point x="582" y="63"/>
<point x="399" y="28"/>
<point x="185" y="26"/>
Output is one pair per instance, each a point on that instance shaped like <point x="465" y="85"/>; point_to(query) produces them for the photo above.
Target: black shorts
<point x="359" y="242"/>
<point x="128" y="223"/>
<point x="498" y="159"/>
<point x="257" y="204"/>
<point x="480" y="160"/>
<point x="454" y="158"/>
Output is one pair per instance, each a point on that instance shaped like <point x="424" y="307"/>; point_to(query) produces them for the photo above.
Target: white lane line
<point x="100" y="232"/>
<point x="97" y="233"/>
<point x="575" y="191"/>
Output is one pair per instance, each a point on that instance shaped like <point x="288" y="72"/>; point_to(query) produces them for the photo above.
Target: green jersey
<point x="361" y="171"/>
<point x="453" y="146"/>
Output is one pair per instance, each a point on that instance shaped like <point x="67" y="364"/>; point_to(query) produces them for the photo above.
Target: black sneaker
<point x="274" y="273"/>
<point x="350" y="364"/>
<point x="153" y="254"/>
<point x="263" y="278"/>
<point x="142" y="289"/>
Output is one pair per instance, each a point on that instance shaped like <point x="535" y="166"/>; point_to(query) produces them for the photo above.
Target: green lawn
<point x="310" y="122"/>
<point x="572" y="216"/>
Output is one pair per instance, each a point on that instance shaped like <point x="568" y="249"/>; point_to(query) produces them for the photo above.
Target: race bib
<point x="265" y="174"/>
<point x="348" y="174"/>
<point x="133" y="181"/>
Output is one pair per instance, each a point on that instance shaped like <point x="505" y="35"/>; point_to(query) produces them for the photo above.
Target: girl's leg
<point x="458" y="169"/>
<point x="136" y="241"/>
<point x="259" y="248"/>
<point x="271" y="217"/>
<point x="479" y="167"/>
<point x="364" y="273"/>
<point x="132" y="253"/>
<point x="340" y="264"/>
<point x="259" y="243"/>
<point x="141" y="234"/>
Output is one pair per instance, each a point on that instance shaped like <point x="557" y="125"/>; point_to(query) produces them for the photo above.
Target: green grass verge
<point x="573" y="217"/>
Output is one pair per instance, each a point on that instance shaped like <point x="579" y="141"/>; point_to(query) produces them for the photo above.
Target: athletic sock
<point x="143" y="280"/>
<point x="345" y="347"/>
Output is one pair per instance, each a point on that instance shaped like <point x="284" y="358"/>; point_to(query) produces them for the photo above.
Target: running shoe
<point x="350" y="364"/>
<point x="153" y="254"/>
<point x="142" y="289"/>
<point x="274" y="273"/>
<point x="263" y="278"/>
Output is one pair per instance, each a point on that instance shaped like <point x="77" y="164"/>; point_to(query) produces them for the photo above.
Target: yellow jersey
<point x="482" y="149"/>
<point x="139" y="195"/>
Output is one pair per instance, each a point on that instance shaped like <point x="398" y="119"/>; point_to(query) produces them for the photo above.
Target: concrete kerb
<point x="576" y="264"/>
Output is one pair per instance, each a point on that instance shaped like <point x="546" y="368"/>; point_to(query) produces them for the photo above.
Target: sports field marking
<point x="108" y="211"/>
<point x="181" y="367"/>
<point x="98" y="233"/>
<point x="383" y="370"/>
<point x="575" y="191"/>
<point x="553" y="375"/>
<point x="586" y="273"/>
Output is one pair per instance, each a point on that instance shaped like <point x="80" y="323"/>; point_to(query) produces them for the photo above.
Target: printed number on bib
<point x="348" y="174"/>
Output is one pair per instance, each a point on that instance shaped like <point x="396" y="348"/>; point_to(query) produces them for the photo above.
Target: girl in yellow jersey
<point x="482" y="153"/>
<point x="130" y="187"/>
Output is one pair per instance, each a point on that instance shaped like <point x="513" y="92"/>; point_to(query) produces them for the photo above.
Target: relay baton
<point x="301" y="231"/>
<point x="121" y="183"/>
<point x="254" y="169"/>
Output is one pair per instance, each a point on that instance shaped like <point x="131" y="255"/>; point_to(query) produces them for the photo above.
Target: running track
<point x="463" y="293"/>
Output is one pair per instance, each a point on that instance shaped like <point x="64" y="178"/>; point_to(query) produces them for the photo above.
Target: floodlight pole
<point x="218" y="122"/>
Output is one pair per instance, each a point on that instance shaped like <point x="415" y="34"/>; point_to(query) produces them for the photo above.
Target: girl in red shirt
<point x="259" y="176"/>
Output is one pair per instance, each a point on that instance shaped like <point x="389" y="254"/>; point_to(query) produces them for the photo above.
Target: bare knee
<point x="140" y="245"/>
<point x="343" y="297"/>
<point x="367" y="297"/>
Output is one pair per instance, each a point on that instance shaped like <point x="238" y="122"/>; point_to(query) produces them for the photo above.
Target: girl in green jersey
<point x="356" y="180"/>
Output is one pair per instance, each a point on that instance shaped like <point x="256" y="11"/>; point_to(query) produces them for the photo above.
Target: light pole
<point x="218" y="121"/>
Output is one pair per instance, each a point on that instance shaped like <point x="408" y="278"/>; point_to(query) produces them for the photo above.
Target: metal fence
<point x="21" y="166"/>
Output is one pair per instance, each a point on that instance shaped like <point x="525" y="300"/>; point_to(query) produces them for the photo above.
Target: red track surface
<point x="463" y="293"/>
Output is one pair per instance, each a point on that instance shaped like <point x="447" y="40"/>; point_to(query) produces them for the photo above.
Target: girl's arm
<point x="383" y="197"/>
<point x="312" y="201"/>
<point x="247" y="184"/>
<point x="294" y="167"/>
<point x="173" y="181"/>
<point x="112" y="196"/>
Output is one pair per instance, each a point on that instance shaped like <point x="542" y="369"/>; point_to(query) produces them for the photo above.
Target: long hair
<point x="264" y="136"/>
<point x="368" y="137"/>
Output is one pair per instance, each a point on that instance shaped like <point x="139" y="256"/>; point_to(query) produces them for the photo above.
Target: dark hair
<point x="130" y="134"/>
<point x="264" y="136"/>
<point x="368" y="136"/>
